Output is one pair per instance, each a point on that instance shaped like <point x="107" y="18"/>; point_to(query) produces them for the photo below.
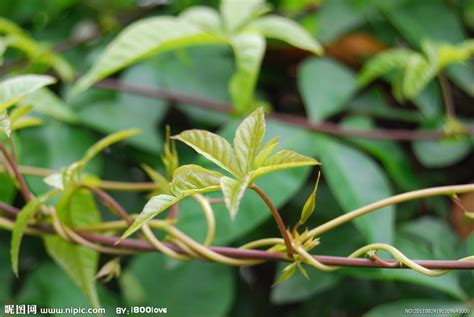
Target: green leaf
<point x="326" y="87"/>
<point x="249" y="48"/>
<point x="409" y="18"/>
<point x="282" y="160"/>
<point x="248" y="138"/>
<point x="153" y="208"/>
<point x="299" y="289"/>
<point x="15" y="88"/>
<point x="26" y="122"/>
<point x="441" y="153"/>
<point x="48" y="285"/>
<point x="25" y="215"/>
<point x="194" y="179"/>
<point x="141" y="40"/>
<point x="310" y="204"/>
<point x="5" y="123"/>
<point x="128" y="111"/>
<point x="213" y="147"/>
<point x="392" y="156"/>
<point x="38" y="53"/>
<point x="156" y="177"/>
<point x="418" y="73"/>
<point x="287" y="272"/>
<point x="382" y="64"/>
<point x="7" y="188"/>
<point x="106" y="142"/>
<point x="187" y="290"/>
<point x="233" y="191"/>
<point x="205" y="18"/>
<point x="46" y="102"/>
<point x="266" y="151"/>
<point x="356" y="180"/>
<point x="79" y="263"/>
<point x="286" y="30"/>
<point x="236" y="14"/>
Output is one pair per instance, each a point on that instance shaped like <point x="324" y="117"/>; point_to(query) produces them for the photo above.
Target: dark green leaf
<point x="22" y="221"/>
<point x="356" y="180"/>
<point x="326" y="87"/>
<point x="184" y="288"/>
<point x="139" y="41"/>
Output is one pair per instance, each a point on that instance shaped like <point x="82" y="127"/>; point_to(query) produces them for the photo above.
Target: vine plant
<point x="74" y="234"/>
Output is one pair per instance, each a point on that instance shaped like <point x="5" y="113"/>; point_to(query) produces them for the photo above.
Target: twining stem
<point x="102" y="184"/>
<point x="24" y="189"/>
<point x="236" y="253"/>
<point x="417" y="194"/>
<point x="209" y="215"/>
<point x="276" y="215"/>
<point x="111" y="203"/>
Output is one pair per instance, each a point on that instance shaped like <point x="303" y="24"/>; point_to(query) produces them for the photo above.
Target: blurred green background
<point x="355" y="171"/>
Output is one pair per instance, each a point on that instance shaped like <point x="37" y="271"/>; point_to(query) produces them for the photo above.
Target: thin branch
<point x="24" y="189"/>
<point x="140" y="245"/>
<point x="301" y="122"/>
<point x="276" y="215"/>
<point x="111" y="203"/>
<point x="102" y="184"/>
<point x="447" y="96"/>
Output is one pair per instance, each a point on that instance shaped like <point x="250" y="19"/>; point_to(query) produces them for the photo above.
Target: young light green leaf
<point x="36" y="52"/>
<point x="310" y="203"/>
<point x="170" y="155"/>
<point x="249" y="48"/>
<point x="248" y="138"/>
<point x="282" y="160"/>
<point x="235" y="14"/>
<point x="141" y="40"/>
<point x="160" y="180"/>
<point x="194" y="179"/>
<point x="13" y="89"/>
<point x="19" y="112"/>
<point x="55" y="180"/>
<point x="5" y="123"/>
<point x="266" y="151"/>
<point x="46" y="102"/>
<point x="110" y="270"/>
<point x="205" y="18"/>
<point x="418" y="73"/>
<point x="213" y="147"/>
<point x="106" y="142"/>
<point x="153" y="208"/>
<point x="21" y="223"/>
<point x="26" y="122"/>
<point x="382" y="64"/>
<point x="286" y="30"/>
<point x="233" y="191"/>
<point x="287" y="273"/>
